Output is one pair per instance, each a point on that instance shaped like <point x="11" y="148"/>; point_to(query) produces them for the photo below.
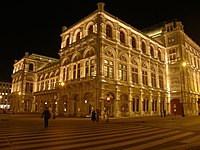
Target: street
<point x="26" y="131"/>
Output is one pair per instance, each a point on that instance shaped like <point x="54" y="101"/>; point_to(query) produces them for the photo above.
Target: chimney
<point x="100" y="6"/>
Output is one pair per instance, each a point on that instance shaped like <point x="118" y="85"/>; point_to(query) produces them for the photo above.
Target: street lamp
<point x="183" y="65"/>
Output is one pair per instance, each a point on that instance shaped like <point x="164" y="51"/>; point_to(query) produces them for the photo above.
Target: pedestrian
<point x="93" y="117"/>
<point x="107" y="116"/>
<point x="46" y="115"/>
<point x="97" y="115"/>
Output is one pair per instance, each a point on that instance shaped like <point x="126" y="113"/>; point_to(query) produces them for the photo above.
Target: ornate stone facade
<point x="109" y="65"/>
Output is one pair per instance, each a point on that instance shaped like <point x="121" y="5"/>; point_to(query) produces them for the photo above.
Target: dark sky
<point x="35" y="26"/>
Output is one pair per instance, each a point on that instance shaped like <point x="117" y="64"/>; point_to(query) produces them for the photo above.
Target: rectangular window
<point x="144" y="78"/>
<point x="153" y="79"/>
<point x="122" y="72"/>
<point x="144" y="104"/>
<point x="108" y="69"/>
<point x="135" y="75"/>
<point x="74" y="72"/>
<point x="64" y="79"/>
<point x="79" y="71"/>
<point x="31" y="87"/>
<point x="27" y="87"/>
<point x="161" y="81"/>
<point x="67" y="74"/>
<point x="137" y="105"/>
<point x="134" y="104"/>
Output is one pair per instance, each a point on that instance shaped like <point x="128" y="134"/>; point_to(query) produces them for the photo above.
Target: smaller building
<point x="5" y="89"/>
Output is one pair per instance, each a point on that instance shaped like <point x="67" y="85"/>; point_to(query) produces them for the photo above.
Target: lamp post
<point x="183" y="65"/>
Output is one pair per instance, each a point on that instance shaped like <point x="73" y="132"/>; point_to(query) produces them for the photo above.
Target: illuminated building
<point x="5" y="89"/>
<point x="107" y="64"/>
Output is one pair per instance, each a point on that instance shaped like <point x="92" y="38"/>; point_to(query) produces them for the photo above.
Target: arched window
<point x="122" y="37"/>
<point x="67" y="42"/>
<point x="108" y="31"/>
<point x="30" y="67"/>
<point x="78" y="36"/>
<point x="90" y="30"/>
<point x="133" y="42"/>
<point x="151" y="52"/>
<point x="143" y="48"/>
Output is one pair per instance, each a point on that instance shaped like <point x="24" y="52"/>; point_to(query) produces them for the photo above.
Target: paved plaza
<point x="27" y="132"/>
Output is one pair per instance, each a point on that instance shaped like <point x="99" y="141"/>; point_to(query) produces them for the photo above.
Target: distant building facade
<point x="5" y="90"/>
<point x="107" y="64"/>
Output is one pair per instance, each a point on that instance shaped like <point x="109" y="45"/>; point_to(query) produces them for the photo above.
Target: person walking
<point x="93" y="117"/>
<point x="97" y="115"/>
<point x="46" y="115"/>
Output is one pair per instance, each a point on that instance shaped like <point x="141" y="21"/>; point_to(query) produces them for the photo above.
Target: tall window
<point x="30" y="67"/>
<point x="108" y="31"/>
<point x="143" y="46"/>
<point x="145" y="105"/>
<point x="122" y="72"/>
<point x="90" y="30"/>
<point x="154" y="105"/>
<point x="151" y="52"/>
<point x="108" y="69"/>
<point x="144" y="77"/>
<point x="64" y="77"/>
<point x="79" y="71"/>
<point x="153" y="79"/>
<point x="67" y="74"/>
<point x="133" y="42"/>
<point x="135" y="75"/>
<point x="135" y="105"/>
<point x="74" y="72"/>
<point x="42" y="86"/>
<point x="67" y="42"/>
<point x="122" y="37"/>
<point x="52" y="84"/>
<point x="92" y="68"/>
<point x="29" y="87"/>
<point x="159" y="55"/>
<point x="78" y="36"/>
<point x="161" y="81"/>
<point x="87" y="74"/>
<point x="46" y="84"/>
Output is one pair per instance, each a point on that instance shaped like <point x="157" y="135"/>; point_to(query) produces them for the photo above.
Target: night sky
<point x="35" y="26"/>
